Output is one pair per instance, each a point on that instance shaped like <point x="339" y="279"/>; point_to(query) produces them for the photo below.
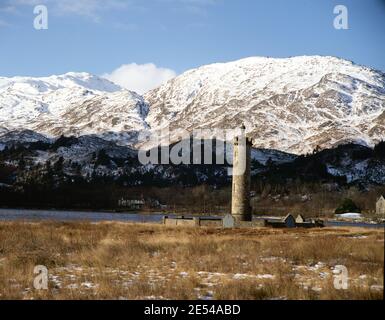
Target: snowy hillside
<point x="71" y="104"/>
<point x="293" y="105"/>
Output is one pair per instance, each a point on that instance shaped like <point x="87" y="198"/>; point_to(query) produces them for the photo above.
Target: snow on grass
<point x="349" y="215"/>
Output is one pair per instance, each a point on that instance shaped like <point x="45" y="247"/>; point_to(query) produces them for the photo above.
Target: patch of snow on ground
<point x="349" y="216"/>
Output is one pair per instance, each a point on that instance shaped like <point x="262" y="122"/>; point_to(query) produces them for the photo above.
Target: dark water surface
<point x="53" y="215"/>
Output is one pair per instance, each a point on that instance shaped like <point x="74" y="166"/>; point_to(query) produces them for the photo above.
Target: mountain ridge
<point x="286" y="104"/>
<point x="293" y="104"/>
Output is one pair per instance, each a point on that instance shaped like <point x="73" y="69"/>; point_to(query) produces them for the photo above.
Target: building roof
<point x="289" y="216"/>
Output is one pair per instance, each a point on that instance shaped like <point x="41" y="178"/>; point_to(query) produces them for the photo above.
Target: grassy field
<point x="136" y="261"/>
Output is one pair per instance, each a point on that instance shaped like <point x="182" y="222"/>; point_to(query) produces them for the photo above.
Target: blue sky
<point x="99" y="36"/>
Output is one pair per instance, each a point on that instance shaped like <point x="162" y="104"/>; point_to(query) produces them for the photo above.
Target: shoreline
<point x="17" y="214"/>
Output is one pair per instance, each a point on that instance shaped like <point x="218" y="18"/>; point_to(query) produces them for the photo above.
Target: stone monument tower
<point x="241" y="209"/>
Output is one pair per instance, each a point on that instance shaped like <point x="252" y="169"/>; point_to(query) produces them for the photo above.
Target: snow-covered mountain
<point x="292" y="105"/>
<point x="71" y="104"/>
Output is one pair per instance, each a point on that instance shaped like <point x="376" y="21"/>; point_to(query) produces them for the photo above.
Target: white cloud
<point x="140" y="78"/>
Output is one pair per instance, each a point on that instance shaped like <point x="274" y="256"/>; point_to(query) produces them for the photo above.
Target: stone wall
<point x="192" y="222"/>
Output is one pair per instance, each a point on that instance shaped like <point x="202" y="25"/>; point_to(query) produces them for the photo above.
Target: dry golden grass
<point x="137" y="261"/>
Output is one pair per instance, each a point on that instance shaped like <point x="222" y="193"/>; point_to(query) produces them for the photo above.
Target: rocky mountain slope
<point x="90" y="158"/>
<point x="293" y="105"/>
<point x="71" y="104"/>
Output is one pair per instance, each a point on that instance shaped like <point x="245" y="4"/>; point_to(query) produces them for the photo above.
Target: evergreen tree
<point x="22" y="163"/>
<point x="58" y="167"/>
<point x="103" y="159"/>
<point x="347" y="206"/>
<point x="379" y="150"/>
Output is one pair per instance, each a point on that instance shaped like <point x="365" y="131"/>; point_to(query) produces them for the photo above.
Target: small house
<point x="300" y="222"/>
<point x="287" y="222"/>
<point x="131" y="204"/>
<point x="300" y="219"/>
<point x="380" y="205"/>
